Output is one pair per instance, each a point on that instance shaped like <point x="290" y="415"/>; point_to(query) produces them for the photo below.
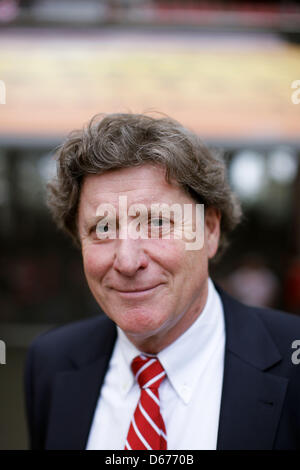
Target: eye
<point x="102" y="227"/>
<point x="158" y="222"/>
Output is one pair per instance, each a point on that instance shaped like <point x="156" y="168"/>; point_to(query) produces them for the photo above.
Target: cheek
<point x="186" y="264"/>
<point x="96" y="261"/>
<point x="170" y="254"/>
<point x="196" y="265"/>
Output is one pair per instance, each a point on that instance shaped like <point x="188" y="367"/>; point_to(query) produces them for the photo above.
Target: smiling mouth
<point x="136" y="293"/>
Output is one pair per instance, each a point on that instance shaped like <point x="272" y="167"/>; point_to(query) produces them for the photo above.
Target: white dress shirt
<point x="190" y="396"/>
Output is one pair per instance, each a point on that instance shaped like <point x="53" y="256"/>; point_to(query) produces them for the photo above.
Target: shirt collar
<point x="185" y="359"/>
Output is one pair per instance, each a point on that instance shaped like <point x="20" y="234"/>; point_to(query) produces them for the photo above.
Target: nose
<point x="129" y="257"/>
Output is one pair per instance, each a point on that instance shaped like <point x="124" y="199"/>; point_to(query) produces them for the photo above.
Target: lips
<point x="143" y="289"/>
<point x="137" y="293"/>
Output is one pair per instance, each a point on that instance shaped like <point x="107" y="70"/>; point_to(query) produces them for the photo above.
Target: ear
<point x="212" y="230"/>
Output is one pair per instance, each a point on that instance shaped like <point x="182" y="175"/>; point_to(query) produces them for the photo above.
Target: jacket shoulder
<point x="279" y="321"/>
<point x="82" y="339"/>
<point x="61" y="349"/>
<point x="281" y="326"/>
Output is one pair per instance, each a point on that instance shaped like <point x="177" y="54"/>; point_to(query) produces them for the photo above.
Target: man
<point x="175" y="363"/>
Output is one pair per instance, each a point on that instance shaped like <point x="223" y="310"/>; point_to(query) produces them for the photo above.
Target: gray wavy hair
<point x="114" y="141"/>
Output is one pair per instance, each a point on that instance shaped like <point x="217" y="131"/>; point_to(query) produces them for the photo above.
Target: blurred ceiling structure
<point x="227" y="87"/>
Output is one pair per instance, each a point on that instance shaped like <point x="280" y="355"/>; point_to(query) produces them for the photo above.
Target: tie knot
<point x="148" y="371"/>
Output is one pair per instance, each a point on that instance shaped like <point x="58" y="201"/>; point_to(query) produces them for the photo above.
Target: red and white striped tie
<point x="147" y="429"/>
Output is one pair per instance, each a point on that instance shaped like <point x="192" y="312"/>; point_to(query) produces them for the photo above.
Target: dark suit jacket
<point x="260" y="406"/>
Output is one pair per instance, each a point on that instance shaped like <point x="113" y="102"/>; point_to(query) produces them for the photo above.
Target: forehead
<point x="144" y="184"/>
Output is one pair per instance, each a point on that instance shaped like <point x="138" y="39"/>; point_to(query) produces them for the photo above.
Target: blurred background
<point x="224" y="69"/>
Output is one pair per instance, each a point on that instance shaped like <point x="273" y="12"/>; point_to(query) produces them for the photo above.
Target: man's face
<point x="154" y="288"/>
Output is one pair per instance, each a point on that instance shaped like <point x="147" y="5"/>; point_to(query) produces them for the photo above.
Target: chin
<point x="141" y="323"/>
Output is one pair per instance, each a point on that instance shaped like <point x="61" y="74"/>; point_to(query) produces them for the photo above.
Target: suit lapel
<point x="76" y="391"/>
<point x="252" y="396"/>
